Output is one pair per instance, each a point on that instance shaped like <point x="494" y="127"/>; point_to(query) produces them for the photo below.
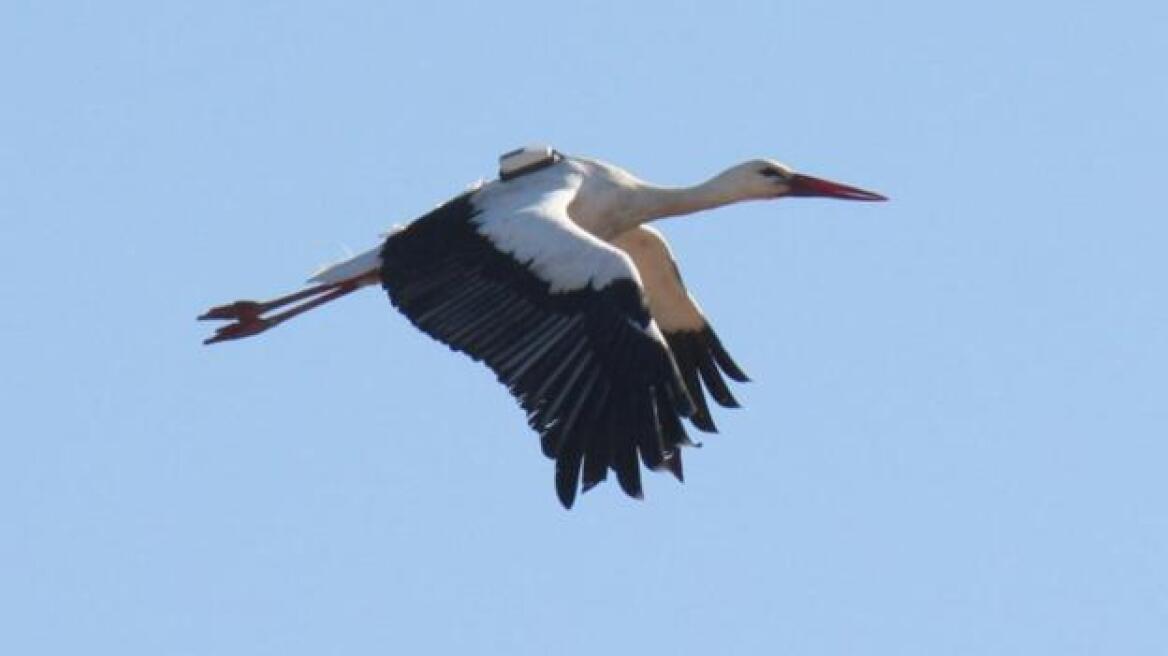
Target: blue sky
<point x="954" y="444"/>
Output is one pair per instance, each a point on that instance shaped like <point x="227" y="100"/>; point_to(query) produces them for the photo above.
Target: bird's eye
<point x="772" y="172"/>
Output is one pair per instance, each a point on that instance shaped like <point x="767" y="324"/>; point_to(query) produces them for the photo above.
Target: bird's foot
<point x="237" y="311"/>
<point x="243" y="327"/>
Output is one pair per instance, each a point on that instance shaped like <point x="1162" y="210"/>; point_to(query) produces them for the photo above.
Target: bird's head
<point x="766" y="178"/>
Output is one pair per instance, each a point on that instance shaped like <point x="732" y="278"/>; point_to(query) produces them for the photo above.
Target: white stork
<point x="550" y="276"/>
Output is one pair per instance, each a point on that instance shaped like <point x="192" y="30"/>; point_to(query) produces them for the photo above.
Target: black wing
<point x="588" y="366"/>
<point x="699" y="353"/>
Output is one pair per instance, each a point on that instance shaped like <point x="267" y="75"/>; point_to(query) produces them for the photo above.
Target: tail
<point x="358" y="265"/>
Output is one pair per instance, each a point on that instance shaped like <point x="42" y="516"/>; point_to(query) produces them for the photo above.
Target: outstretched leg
<point x="247" y="316"/>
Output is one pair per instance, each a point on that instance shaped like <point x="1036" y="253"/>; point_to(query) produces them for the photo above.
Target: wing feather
<point x="699" y="354"/>
<point x="503" y="275"/>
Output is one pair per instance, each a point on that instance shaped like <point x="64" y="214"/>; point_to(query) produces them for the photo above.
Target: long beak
<point x="805" y="185"/>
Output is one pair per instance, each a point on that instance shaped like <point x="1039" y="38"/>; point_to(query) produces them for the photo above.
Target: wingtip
<point x="567" y="478"/>
<point x="722" y="357"/>
<point x="673" y="464"/>
<point x="630" y="483"/>
<point x="722" y="394"/>
<point x="703" y="422"/>
<point x="567" y="499"/>
<point x="738" y="376"/>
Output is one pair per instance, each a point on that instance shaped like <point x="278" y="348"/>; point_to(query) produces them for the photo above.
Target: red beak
<point x="805" y="185"/>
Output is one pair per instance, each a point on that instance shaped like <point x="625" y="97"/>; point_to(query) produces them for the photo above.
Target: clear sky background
<point x="954" y="444"/>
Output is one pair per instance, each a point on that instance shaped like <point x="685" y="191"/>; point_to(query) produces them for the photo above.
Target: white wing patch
<point x="527" y="218"/>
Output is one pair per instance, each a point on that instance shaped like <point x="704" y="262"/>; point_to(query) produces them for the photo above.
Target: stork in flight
<point x="551" y="277"/>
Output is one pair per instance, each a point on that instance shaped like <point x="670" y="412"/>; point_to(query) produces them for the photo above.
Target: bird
<point x="550" y="275"/>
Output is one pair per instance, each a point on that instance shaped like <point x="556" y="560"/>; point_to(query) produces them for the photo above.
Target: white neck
<point x="654" y="202"/>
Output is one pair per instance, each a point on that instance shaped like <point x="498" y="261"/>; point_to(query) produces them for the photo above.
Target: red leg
<point x="241" y="310"/>
<point x="247" y="315"/>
